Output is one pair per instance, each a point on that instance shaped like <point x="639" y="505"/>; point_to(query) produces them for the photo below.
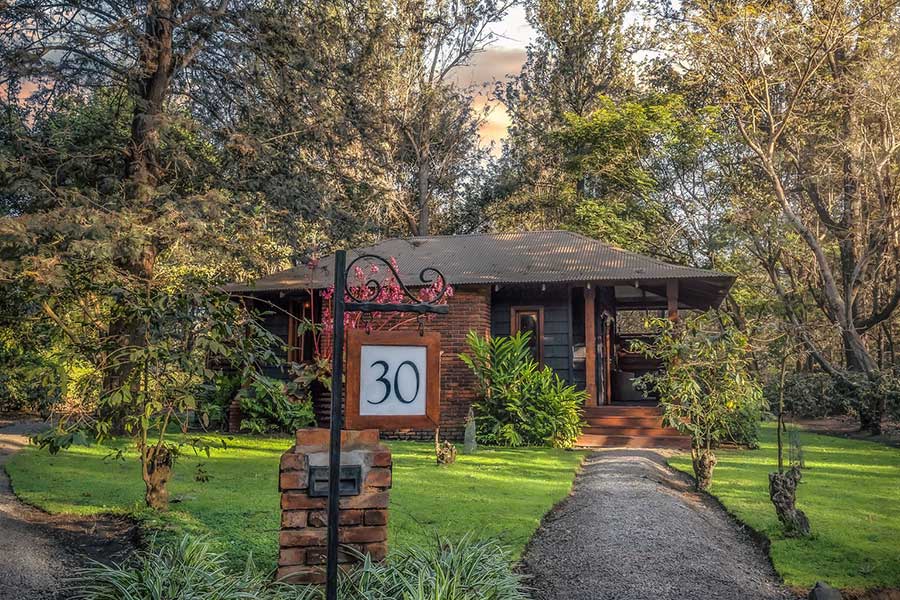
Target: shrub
<point x="521" y="403"/>
<point x="742" y="425"/>
<point x="267" y="407"/>
<point x="190" y="570"/>
<point x="215" y="397"/>
<point x="705" y="385"/>
<point x="29" y="380"/>
<point x="808" y="396"/>
<point x="465" y="570"/>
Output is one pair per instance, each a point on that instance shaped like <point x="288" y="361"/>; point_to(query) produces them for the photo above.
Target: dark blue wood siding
<point x="555" y="302"/>
<point x="277" y="323"/>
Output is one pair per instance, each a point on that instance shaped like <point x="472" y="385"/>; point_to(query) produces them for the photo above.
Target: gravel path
<point x="633" y="529"/>
<point x="39" y="551"/>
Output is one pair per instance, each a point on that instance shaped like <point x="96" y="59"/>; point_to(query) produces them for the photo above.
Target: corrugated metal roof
<point x="501" y="258"/>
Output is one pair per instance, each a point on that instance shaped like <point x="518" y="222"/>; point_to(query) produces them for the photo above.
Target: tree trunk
<point x="149" y="89"/>
<point x="783" y="493"/>
<point x="158" y="461"/>
<point x="422" y="194"/>
<point x="704" y="461"/>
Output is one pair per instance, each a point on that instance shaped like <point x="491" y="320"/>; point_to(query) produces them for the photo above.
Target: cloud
<point x="486" y="68"/>
<point x="495" y="124"/>
<point x="494" y="64"/>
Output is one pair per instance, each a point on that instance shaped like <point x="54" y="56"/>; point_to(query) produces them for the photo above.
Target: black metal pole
<point x="334" y="450"/>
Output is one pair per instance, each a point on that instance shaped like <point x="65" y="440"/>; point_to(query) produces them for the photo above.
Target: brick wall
<point x="470" y="308"/>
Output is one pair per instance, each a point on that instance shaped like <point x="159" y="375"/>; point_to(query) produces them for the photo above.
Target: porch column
<point x="672" y="299"/>
<point x="590" y="345"/>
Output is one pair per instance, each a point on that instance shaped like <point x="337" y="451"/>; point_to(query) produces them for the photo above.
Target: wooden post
<point x="608" y="365"/>
<point x="672" y="299"/>
<point x="590" y="345"/>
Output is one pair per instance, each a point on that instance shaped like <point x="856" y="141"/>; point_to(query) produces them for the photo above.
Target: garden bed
<point x="498" y="493"/>
<point x="850" y="494"/>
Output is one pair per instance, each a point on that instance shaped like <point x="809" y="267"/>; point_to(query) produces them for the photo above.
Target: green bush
<point x="705" y="386"/>
<point x="742" y="425"/>
<point x="521" y="404"/>
<point x="465" y="570"/>
<point x="190" y="570"/>
<point x="267" y="407"/>
<point x="215" y="397"/>
<point x="29" y="380"/>
<point x="808" y="396"/>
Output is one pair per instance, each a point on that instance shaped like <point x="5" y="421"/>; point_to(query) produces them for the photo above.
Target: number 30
<point x="387" y="384"/>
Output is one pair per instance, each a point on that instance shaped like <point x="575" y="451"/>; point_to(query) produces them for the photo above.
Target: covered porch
<point x="617" y="412"/>
<point x="583" y="331"/>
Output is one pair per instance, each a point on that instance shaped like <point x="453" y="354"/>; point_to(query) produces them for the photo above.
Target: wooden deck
<point x="617" y="426"/>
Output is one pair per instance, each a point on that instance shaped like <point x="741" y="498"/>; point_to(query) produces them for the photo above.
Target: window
<point x="530" y="319"/>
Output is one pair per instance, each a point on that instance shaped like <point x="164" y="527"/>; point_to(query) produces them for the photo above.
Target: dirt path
<point x="38" y="552"/>
<point x="633" y="529"/>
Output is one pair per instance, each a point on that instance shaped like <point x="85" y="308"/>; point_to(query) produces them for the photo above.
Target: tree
<point x="436" y="126"/>
<point x="373" y="137"/>
<point x="705" y="383"/>
<point x="135" y="195"/>
<point x="581" y="55"/>
<point x="783" y="486"/>
<point x="116" y="230"/>
<point x="579" y="61"/>
<point x="807" y="87"/>
<point x="189" y="334"/>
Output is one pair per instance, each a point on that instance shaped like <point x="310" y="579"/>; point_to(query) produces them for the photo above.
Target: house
<point x="578" y="297"/>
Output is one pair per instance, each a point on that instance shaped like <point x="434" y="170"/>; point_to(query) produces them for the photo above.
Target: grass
<point x="498" y="493"/>
<point x="851" y="494"/>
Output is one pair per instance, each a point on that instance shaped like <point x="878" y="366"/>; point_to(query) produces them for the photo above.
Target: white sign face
<point x="392" y="380"/>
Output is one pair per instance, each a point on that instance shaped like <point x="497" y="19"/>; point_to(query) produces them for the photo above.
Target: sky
<point x="503" y="57"/>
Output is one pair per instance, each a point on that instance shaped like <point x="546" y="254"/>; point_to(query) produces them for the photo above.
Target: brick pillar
<point x="363" y="518"/>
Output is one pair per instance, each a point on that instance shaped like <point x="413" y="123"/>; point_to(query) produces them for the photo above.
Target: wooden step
<point x="616" y="421"/>
<point x="631" y="431"/>
<point x="622" y="411"/>
<point x="587" y="440"/>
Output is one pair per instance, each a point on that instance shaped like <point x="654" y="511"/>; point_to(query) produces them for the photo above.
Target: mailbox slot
<point x="349" y="484"/>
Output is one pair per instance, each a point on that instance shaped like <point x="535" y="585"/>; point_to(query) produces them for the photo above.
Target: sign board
<point x="393" y="380"/>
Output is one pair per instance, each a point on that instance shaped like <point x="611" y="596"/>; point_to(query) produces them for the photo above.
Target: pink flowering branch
<point x="389" y="292"/>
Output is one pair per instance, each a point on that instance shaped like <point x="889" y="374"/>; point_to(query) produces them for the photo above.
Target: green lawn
<point x="496" y="492"/>
<point x="851" y="494"/>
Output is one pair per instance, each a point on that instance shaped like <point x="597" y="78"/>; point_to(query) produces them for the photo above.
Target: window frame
<point x="298" y="309"/>
<point x="514" y="325"/>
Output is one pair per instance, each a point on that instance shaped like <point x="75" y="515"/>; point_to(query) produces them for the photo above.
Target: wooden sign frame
<point x="431" y="340"/>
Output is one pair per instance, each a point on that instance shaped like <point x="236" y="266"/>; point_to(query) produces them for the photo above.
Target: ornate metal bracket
<point x="429" y="276"/>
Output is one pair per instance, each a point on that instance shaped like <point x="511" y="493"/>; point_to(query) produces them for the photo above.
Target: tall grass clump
<point x="186" y="570"/>
<point x="467" y="569"/>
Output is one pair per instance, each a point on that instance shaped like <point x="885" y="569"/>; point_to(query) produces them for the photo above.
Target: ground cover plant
<point x="190" y="570"/>
<point x="849" y="492"/>
<point x="500" y="493"/>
